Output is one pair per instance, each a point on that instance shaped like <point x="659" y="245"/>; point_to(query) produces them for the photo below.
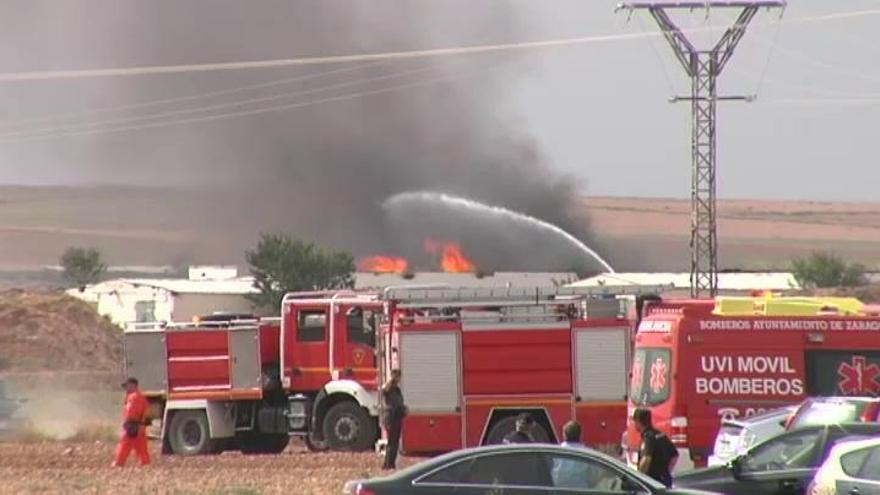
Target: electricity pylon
<point x="703" y="67"/>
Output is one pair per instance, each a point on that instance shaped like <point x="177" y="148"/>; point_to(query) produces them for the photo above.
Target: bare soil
<point x="49" y="331"/>
<point x="79" y="467"/>
<point x="652" y="234"/>
<point x="140" y="226"/>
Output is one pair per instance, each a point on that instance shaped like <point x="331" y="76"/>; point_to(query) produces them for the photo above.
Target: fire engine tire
<point x="315" y="445"/>
<point x="508" y="425"/>
<point x="264" y="443"/>
<point x="347" y="426"/>
<point x="189" y="434"/>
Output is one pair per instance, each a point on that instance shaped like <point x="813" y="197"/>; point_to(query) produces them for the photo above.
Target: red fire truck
<point x="249" y="384"/>
<point x="474" y="359"/>
<point x="697" y="362"/>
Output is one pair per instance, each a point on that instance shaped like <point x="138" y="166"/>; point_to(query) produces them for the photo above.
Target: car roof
<point x="424" y="467"/>
<point x="844" y="398"/>
<point x="849" y="445"/>
<point x="846" y="427"/>
<point x="759" y="418"/>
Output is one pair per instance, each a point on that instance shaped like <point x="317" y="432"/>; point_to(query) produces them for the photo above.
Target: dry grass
<point x="84" y="467"/>
<point x="31" y="433"/>
<point x="97" y="432"/>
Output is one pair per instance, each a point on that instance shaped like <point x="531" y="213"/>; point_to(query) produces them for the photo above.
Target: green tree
<point x="825" y="269"/>
<point x="282" y="264"/>
<point x="82" y="266"/>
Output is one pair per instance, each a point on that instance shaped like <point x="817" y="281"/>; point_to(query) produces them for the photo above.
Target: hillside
<point x="49" y="331"/>
<point x="654" y="234"/>
<point x="140" y="226"/>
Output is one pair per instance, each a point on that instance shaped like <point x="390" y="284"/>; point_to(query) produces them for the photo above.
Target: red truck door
<point x="306" y="337"/>
<point x="354" y="343"/>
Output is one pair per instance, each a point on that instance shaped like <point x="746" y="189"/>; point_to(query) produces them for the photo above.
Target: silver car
<point x="736" y="436"/>
<point x="851" y="468"/>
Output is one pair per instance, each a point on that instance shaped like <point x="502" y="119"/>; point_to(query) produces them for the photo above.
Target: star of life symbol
<point x="658" y="375"/>
<point x="636" y="380"/>
<point x="859" y="377"/>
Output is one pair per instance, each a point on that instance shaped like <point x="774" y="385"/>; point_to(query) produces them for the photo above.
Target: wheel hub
<point x="346" y="429"/>
<point x="192" y="433"/>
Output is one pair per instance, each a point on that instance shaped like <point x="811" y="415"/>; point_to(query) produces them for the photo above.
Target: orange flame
<point x="453" y="260"/>
<point x="383" y="264"/>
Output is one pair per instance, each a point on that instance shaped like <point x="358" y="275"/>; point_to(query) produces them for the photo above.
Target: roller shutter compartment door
<point x="602" y="363"/>
<point x="429" y="365"/>
<point x="145" y="359"/>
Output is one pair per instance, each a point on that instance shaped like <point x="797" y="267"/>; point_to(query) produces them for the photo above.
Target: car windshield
<point x="649" y="380"/>
<point x="829" y="412"/>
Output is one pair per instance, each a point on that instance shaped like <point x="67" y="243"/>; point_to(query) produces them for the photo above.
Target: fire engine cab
<point x="473" y="359"/>
<point x="697" y="362"/>
<point x="250" y="384"/>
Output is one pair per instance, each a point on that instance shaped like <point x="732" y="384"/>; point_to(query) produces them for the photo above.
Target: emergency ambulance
<point x="698" y="362"/>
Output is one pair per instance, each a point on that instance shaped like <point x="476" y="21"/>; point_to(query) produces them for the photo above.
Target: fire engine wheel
<point x="347" y="426"/>
<point x="264" y="443"/>
<point x="315" y="445"/>
<point x="189" y="434"/>
<point x="508" y="425"/>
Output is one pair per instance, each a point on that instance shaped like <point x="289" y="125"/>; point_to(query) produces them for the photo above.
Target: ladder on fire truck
<point x="444" y="297"/>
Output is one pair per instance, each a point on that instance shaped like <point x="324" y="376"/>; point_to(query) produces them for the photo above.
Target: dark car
<point x="784" y="464"/>
<point x="518" y="469"/>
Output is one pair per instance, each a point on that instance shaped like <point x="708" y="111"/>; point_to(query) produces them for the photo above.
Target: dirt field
<point x="138" y="226"/>
<point x="641" y="234"/>
<point x="62" y="467"/>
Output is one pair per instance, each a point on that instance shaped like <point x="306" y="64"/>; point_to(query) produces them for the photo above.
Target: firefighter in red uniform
<point x="134" y="427"/>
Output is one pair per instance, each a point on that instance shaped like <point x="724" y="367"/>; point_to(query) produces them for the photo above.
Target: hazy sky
<point x="598" y="111"/>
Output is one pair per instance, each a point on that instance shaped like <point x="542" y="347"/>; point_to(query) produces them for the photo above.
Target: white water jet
<point x="459" y="203"/>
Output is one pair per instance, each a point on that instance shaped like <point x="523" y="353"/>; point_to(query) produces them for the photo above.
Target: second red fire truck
<point x="472" y="359"/>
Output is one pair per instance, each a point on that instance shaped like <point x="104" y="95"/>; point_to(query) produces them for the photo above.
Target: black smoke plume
<point x="322" y="171"/>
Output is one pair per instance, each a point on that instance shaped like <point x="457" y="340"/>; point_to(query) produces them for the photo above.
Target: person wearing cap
<point x="523" y="431"/>
<point x="134" y="428"/>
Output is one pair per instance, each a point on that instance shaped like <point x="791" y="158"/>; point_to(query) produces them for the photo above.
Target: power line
<point x="336" y="59"/>
<point x="179" y="99"/>
<point x="218" y="106"/>
<point x="821" y="91"/>
<point x="818" y="63"/>
<point x="825" y="101"/>
<point x="223" y="116"/>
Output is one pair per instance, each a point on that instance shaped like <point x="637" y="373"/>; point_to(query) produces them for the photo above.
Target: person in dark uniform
<point x="523" y="431"/>
<point x="394" y="411"/>
<point x="657" y="455"/>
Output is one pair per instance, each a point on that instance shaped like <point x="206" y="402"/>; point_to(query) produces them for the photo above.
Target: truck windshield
<point x="649" y="383"/>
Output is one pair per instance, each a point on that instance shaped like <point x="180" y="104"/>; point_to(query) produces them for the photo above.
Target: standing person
<point x="572" y="432"/>
<point x="134" y="428"/>
<point x="570" y="473"/>
<point x="657" y="455"/>
<point x="523" y="431"/>
<point x="395" y="410"/>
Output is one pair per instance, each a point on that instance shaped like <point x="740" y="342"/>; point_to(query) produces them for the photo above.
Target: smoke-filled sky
<point x="527" y="130"/>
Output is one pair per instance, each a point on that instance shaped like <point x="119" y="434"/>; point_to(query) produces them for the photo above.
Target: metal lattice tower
<point x="703" y="67"/>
